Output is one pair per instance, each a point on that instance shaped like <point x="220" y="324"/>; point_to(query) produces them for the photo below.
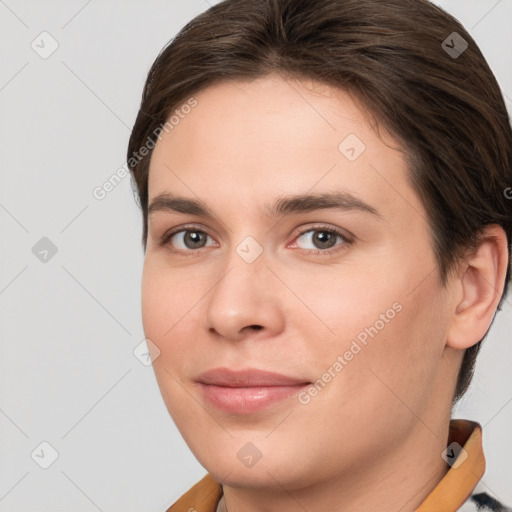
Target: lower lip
<point x="247" y="400"/>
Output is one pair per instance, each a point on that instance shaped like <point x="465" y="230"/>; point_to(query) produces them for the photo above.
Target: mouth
<point x="247" y="391"/>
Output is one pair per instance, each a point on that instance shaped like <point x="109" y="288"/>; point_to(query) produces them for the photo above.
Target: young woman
<point x="325" y="188"/>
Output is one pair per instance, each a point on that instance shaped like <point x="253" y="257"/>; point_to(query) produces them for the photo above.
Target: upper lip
<point x="250" y="377"/>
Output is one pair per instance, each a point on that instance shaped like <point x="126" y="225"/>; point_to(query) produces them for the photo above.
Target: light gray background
<point x="69" y="326"/>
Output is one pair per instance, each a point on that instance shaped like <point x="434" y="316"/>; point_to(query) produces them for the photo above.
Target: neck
<point x="399" y="480"/>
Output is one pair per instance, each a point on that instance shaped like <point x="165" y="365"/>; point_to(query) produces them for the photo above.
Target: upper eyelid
<point x="302" y="231"/>
<point x="347" y="239"/>
<point x="326" y="227"/>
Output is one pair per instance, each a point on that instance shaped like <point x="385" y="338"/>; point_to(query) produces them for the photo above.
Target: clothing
<point x="458" y="491"/>
<point x="480" y="501"/>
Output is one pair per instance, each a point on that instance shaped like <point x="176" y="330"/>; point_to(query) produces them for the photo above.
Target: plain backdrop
<point x="71" y="264"/>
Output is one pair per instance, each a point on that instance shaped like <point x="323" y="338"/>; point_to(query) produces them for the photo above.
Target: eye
<point x="323" y="240"/>
<point x="186" y="240"/>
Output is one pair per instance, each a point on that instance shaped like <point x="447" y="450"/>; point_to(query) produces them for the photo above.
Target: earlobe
<point x="482" y="285"/>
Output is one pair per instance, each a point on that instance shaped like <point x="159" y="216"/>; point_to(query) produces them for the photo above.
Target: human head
<point x="257" y="97"/>
<point x="448" y="112"/>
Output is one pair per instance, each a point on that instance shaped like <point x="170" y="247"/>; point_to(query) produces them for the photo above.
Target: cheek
<point x="401" y="350"/>
<point x="376" y="318"/>
<point x="341" y="302"/>
<point x="167" y="301"/>
<point x="163" y="302"/>
<point x="172" y="302"/>
<point x="151" y="303"/>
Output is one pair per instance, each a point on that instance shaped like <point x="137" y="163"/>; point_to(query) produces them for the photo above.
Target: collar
<point x="449" y="494"/>
<point x="458" y="483"/>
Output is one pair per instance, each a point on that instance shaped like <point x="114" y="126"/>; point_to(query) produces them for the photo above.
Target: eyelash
<point x="346" y="241"/>
<point x="326" y="229"/>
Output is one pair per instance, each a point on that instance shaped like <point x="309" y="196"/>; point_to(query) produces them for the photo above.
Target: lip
<point x="247" y="391"/>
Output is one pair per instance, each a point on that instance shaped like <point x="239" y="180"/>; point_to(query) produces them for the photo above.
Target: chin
<point x="239" y="464"/>
<point x="248" y="478"/>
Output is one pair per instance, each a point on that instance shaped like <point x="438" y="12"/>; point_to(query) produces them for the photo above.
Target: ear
<point x="479" y="286"/>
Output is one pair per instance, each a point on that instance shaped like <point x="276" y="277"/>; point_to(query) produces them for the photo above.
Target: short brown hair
<point x="394" y="57"/>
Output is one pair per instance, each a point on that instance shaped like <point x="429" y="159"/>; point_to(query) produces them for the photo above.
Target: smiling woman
<point x="328" y="172"/>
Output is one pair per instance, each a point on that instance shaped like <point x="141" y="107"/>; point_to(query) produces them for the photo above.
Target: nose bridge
<point x="243" y="295"/>
<point x="245" y="280"/>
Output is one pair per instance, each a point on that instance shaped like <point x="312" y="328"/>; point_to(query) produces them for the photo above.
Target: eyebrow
<point x="286" y="205"/>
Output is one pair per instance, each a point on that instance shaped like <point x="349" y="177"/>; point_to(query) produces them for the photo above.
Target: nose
<point x="245" y="302"/>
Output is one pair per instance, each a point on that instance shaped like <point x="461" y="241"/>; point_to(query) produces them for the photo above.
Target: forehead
<point x="273" y="136"/>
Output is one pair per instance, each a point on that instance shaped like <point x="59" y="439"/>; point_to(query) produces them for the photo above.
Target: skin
<point x="372" y="438"/>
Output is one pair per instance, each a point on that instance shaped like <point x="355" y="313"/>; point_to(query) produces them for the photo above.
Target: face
<point x="339" y="293"/>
